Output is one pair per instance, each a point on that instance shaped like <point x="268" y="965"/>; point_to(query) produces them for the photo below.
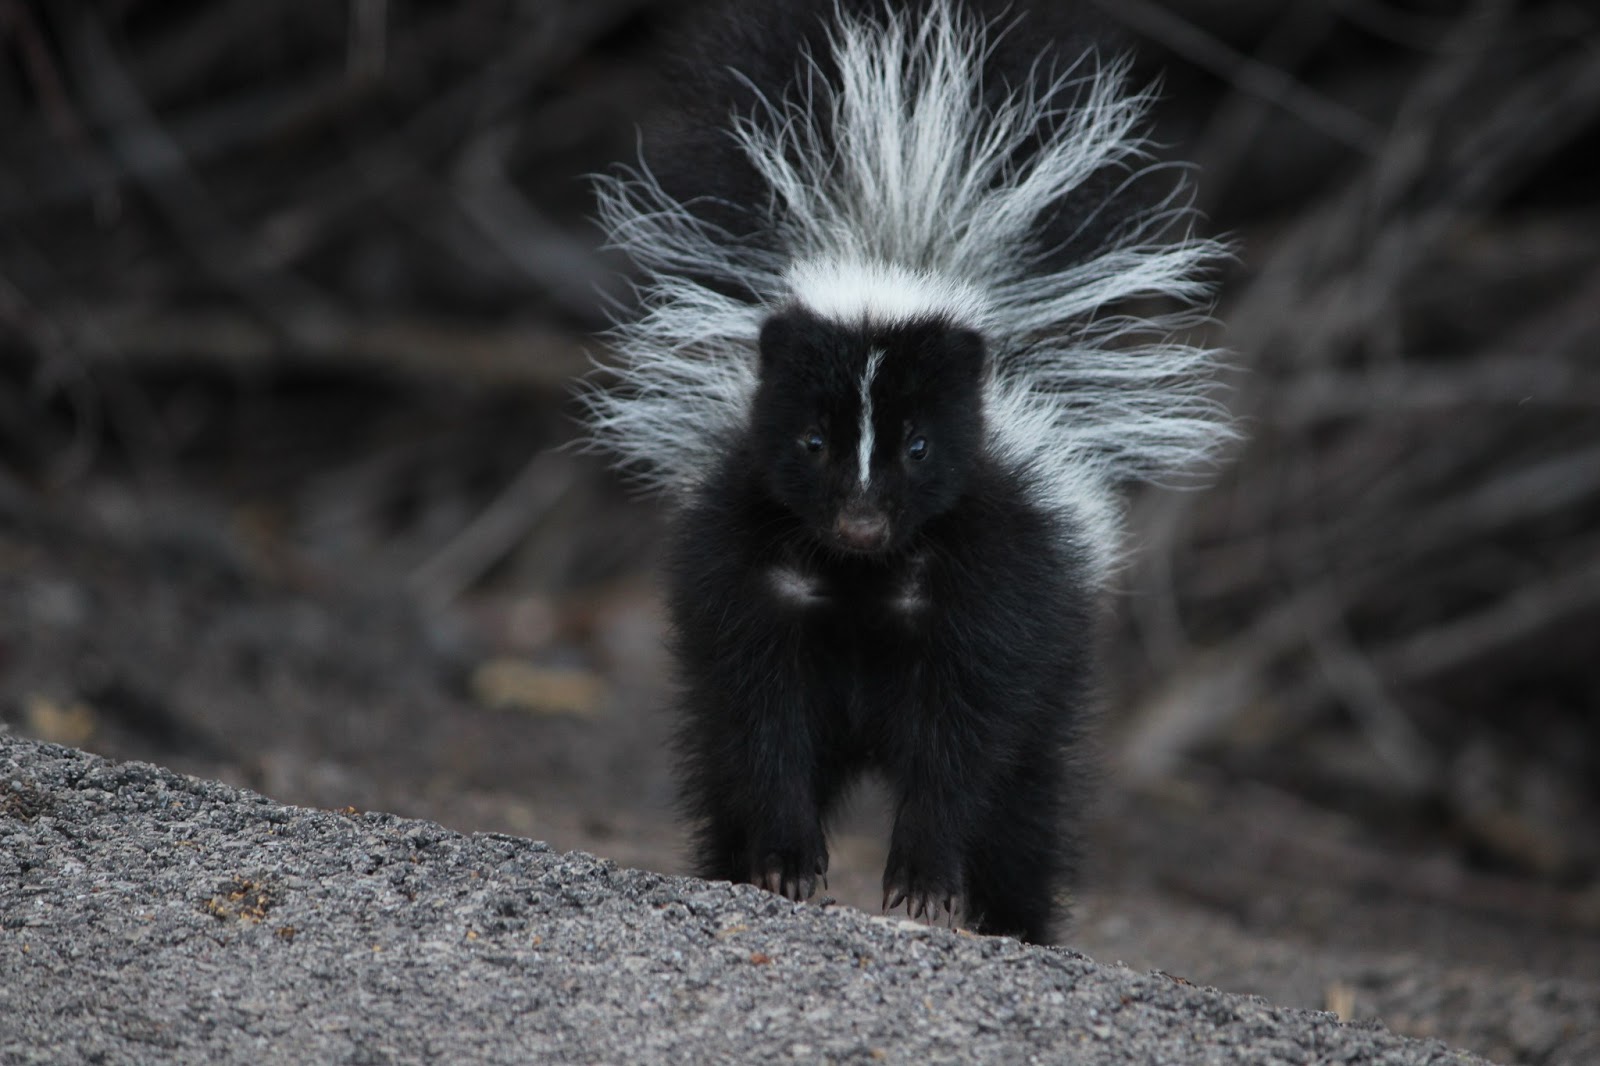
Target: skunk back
<point x="879" y="164"/>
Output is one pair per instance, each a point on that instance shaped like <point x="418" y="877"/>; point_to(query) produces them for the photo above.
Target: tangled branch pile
<point x="1391" y="593"/>
<point x="1394" y="591"/>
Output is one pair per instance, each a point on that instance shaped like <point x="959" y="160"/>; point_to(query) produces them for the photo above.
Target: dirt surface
<point x="143" y="913"/>
<point x="133" y="628"/>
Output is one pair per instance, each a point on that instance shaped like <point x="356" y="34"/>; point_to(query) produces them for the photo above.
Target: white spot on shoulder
<point x="913" y="592"/>
<point x="868" y="436"/>
<point x="793" y="587"/>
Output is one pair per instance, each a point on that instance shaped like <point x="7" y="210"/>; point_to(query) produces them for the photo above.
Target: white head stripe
<point x="864" y="453"/>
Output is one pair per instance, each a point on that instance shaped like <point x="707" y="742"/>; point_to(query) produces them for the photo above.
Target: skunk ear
<point x="779" y="336"/>
<point x="963" y="353"/>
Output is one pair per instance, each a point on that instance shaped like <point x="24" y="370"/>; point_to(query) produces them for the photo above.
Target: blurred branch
<point x="61" y="116"/>
<point x="424" y="347"/>
<point x="1239" y="118"/>
<point x="1495" y="379"/>
<point x="243" y="119"/>
<point x="369" y="31"/>
<point x="18" y="23"/>
<point x="1269" y="83"/>
<point x="1423" y="396"/>
<point x="493" y="534"/>
<point x="386" y="166"/>
<point x="1525" y="613"/>
<point x="1362" y="687"/>
<point x="155" y="160"/>
<point x="1208" y="694"/>
<point x="503" y="217"/>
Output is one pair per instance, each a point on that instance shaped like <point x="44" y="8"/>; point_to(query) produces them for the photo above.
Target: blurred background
<point x="293" y="295"/>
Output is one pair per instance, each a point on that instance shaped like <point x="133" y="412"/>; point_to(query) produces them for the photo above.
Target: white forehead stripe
<point x="864" y="452"/>
<point x="853" y="291"/>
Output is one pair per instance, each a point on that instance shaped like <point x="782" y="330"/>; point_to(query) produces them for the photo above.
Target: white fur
<point x="868" y="436"/>
<point x="913" y="594"/>
<point x="921" y="209"/>
<point x="793" y="587"/>
<point x="883" y="293"/>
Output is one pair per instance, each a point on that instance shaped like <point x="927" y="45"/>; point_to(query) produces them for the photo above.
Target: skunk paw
<point x="792" y="872"/>
<point x="929" y="887"/>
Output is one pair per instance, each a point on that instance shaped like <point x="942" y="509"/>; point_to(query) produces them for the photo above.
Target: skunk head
<point x="867" y="431"/>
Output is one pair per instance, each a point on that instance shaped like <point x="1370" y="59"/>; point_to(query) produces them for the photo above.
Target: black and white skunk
<point x="886" y="372"/>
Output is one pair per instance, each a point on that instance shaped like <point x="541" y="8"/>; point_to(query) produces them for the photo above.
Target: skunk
<point x="886" y="372"/>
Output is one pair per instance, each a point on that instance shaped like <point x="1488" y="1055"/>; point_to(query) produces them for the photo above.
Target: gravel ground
<point x="149" y="916"/>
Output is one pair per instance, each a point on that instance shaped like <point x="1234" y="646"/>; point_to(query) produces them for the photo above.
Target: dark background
<point x="291" y="300"/>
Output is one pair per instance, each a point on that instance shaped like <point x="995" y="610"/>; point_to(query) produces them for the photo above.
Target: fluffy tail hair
<point x="901" y="160"/>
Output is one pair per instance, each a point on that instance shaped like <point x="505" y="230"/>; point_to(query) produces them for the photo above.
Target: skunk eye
<point x="917" y="448"/>
<point x="812" y="440"/>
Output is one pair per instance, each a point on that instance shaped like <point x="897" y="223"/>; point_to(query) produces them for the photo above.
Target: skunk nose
<point x="862" y="531"/>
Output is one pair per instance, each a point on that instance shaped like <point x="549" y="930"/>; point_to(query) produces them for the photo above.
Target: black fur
<point x="952" y="655"/>
<point x="927" y="623"/>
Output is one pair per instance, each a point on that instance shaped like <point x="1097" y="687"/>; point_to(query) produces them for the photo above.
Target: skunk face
<point x="866" y="431"/>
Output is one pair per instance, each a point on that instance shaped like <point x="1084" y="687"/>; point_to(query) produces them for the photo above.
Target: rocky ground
<point x="148" y="915"/>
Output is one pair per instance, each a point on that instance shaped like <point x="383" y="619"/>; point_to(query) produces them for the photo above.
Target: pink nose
<point x="862" y="532"/>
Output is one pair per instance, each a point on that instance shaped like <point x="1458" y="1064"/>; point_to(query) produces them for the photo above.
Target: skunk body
<point x="921" y="619"/>
<point x="881" y="374"/>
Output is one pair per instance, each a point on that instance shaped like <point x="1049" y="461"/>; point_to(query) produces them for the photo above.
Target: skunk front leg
<point x="749" y="776"/>
<point x="937" y="774"/>
<point x="924" y="866"/>
<point x="749" y="773"/>
<point x="985" y="708"/>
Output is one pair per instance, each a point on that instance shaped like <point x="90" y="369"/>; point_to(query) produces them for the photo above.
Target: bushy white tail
<point x="899" y="187"/>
